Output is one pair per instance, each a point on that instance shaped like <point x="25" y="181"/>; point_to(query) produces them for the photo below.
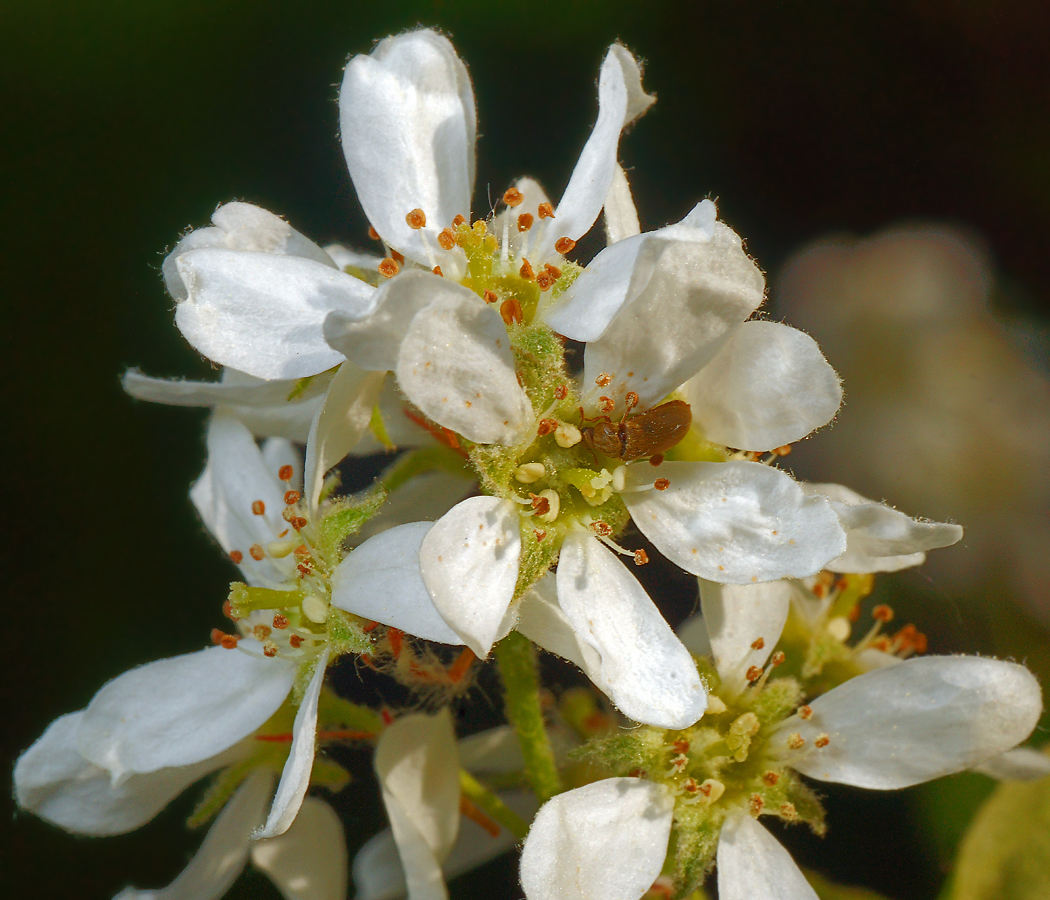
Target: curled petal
<point x="752" y="864"/>
<point x="1019" y="764"/>
<point x="738" y="617"/>
<point x="644" y="668"/>
<point x="349" y="260"/>
<point x="620" y="101"/>
<point x="418" y="771"/>
<point x="879" y="538"/>
<point x="469" y="561"/>
<point x="607" y="839"/>
<point x="381" y="581"/>
<point x="736" y="522"/>
<point x="308" y="861"/>
<point x="621" y="215"/>
<point x="768" y="386"/>
<point x="685" y="299"/>
<point x="456" y="365"/>
<point x="909" y="723"/>
<point x="180" y="711"/>
<point x="223" y="853"/>
<point x="295" y="778"/>
<point x="408" y="123"/>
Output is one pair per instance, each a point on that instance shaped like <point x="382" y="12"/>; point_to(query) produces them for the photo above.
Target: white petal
<point x="645" y="669"/>
<point x="308" y="861"/>
<point x="408" y="124"/>
<point x="340" y="423"/>
<point x="418" y="771"/>
<point x="223" y="853"/>
<point x="180" y="711"/>
<point x="544" y="622"/>
<point x="241" y="226"/>
<point x="752" y="864"/>
<point x="456" y="365"/>
<point x="295" y="778"/>
<point x="677" y="318"/>
<point x="235" y="476"/>
<point x="381" y="580"/>
<point x="425" y="497"/>
<point x="1019" y="764"/>
<point x="263" y="314"/>
<point x="378" y="874"/>
<point x="607" y="839"/>
<point x="469" y="562"/>
<point x="621" y="216"/>
<point x="880" y="538"/>
<point x="53" y="781"/>
<point x="736" y="522"/>
<point x="768" y="386"/>
<point x="922" y="719"/>
<point x="346" y="259"/>
<point x="738" y="616"/>
<point x="620" y="101"/>
<point x="372" y="340"/>
<point x="620" y="273"/>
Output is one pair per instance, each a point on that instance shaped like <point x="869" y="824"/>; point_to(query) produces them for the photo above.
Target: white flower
<point x="889" y="728"/>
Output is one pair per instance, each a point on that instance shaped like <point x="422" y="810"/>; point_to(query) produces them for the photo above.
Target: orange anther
<point x="258" y="507"/>
<point x="561" y="392"/>
<point x="805" y="713"/>
<point x="661" y="484"/>
<point x="821" y="741"/>
<point x="437" y="271"/>
<point x="372" y="233"/>
<point x="544" y="281"/>
<point x="397" y="638"/>
<point x="227" y="610"/>
<point x="630" y="399"/>
<point x="295" y="640"/>
<point x="540" y="535"/>
<point x="491" y="297"/>
<point x="446" y="239"/>
<point x="513" y="197"/>
<point x="606" y="404"/>
<point x="416" y="219"/>
<point x="510" y="311"/>
<point x="388" y="268"/>
<point x="279" y="621"/>
<point x="285" y="473"/>
<point x="546" y="426"/>
<point x="553" y="271"/>
<point x="459" y="220"/>
<point x="545" y="211"/>
<point x="770" y="778"/>
<point x="291" y="498"/>
<point x="564" y="244"/>
<point x="262" y="632"/>
<point x="796" y="741"/>
<point x="601" y="528"/>
<point x="397" y="257"/>
<point x="302" y="551"/>
<point x="228" y="641"/>
<point x="783" y="451"/>
<point x="755" y="804"/>
<point x="525" y="221"/>
<point x="777" y="659"/>
<point x="758" y="643"/>
<point x="270" y="649"/>
<point x="882" y="613"/>
<point x="297" y="522"/>
<point x="541" y="504"/>
<point x="753" y="673"/>
<point x="603" y="380"/>
<point x="216" y="636"/>
<point x="236" y="556"/>
<point x="526" y="271"/>
<point x="680" y="746"/>
<point x="656" y="459"/>
<point x="788" y="811"/>
<point x="256" y="552"/>
<point x="640" y="557"/>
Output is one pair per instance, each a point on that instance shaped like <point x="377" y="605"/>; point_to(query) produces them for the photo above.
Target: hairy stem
<point x="517" y="666"/>
<point x="492" y="805"/>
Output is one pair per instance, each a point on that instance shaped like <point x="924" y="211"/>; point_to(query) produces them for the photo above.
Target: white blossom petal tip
<point x="607" y="839"/>
<point x="752" y="864"/>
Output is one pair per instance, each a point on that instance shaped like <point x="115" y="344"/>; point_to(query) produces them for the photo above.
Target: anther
<point x="258" y="507"/>
<point x="544" y="281"/>
<point x="296" y="641"/>
<point x="882" y="613"/>
<point x="459" y="220"/>
<point x="758" y="644"/>
<point x="437" y="271"/>
<point x="661" y="484"/>
<point x="227" y="610"/>
<point x="388" y="268"/>
<point x="782" y="451"/>
<point x="280" y="622"/>
<point x="796" y="741"/>
<point x="216" y="636"/>
<point x="446" y="239"/>
<point x="640" y="557"/>
<point x="553" y="505"/>
<point x="315" y="609"/>
<point x="291" y="498"/>
<point x="755" y="804"/>
<point x="821" y="741"/>
<point x="603" y="380"/>
<point x="630" y="399"/>
<point x="540" y="535"/>
<point x="680" y="746"/>
<point x="606" y="404"/>
<point x="567" y="435"/>
<point x="805" y="713"/>
<point x="540" y="504"/>
<point x="397" y="257"/>
<point x="256" y="552"/>
<point x="236" y="556"/>
<point x="416" y="219"/>
<point x="777" y="659"/>
<point x="602" y="529"/>
<point x="546" y="426"/>
<point x="529" y="473"/>
<point x="285" y="473"/>
<point x="525" y="221"/>
<point x="262" y="632"/>
<point x="553" y="271"/>
<point x="770" y="778"/>
<point x="491" y="297"/>
<point x="373" y="234"/>
<point x="513" y="197"/>
<point x="228" y="641"/>
<point x="711" y="790"/>
<point x="753" y="674"/>
<point x="656" y="459"/>
<point x="297" y="522"/>
<point x="545" y="211"/>
<point x="526" y="271"/>
<point x="564" y="244"/>
<point x="510" y="310"/>
<point x="561" y="392"/>
<point x="270" y="649"/>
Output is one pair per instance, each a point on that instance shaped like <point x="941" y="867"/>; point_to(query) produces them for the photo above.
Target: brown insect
<point x="646" y="434"/>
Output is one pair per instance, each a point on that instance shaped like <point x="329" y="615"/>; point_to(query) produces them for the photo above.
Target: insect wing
<point x="656" y="430"/>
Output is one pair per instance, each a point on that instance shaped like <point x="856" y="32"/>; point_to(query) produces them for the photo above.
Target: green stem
<point x="517" y="666"/>
<point x="490" y="803"/>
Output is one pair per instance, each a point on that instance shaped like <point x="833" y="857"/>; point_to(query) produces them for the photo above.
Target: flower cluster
<point x="499" y="528"/>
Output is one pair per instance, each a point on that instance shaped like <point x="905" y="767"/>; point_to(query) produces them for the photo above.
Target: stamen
<point x="261" y="632"/>
<point x="805" y="713"/>
<point x="513" y="197"/>
<point x="437" y="271"/>
<point x="526" y="271"/>
<point x="753" y="674"/>
<point x="546" y="426"/>
<point x="603" y="380"/>
<point x="270" y="649"/>
<point x="788" y="812"/>
<point x="545" y="211"/>
<point x="285" y="473"/>
<point x="796" y="741"/>
<point x="758" y="644"/>
<point x="882" y="613"/>
<point x="280" y="622"/>
<point x="640" y="557"/>
<point x="606" y="404"/>
<point x="680" y="746"/>
<point x="296" y="641"/>
<point x="553" y="271"/>
<point x="491" y="297"/>
<point x="258" y="507"/>
<point x="446" y="239"/>
<point x="540" y="535"/>
<point x="256" y="552"/>
<point x="529" y="473"/>
<point x="544" y="281"/>
<point x="561" y="392"/>
<point x="564" y="244"/>
<point x="821" y="741"/>
<point x="770" y="778"/>
<point x="388" y="268"/>
<point x="782" y="451"/>
<point x="373" y="234"/>
<point x="459" y="220"/>
<point x="755" y="804"/>
<point x="416" y="219"/>
<point x="630" y="399"/>
<point x="510" y="310"/>
<point x="236" y="556"/>
<point x="661" y="484"/>
<point x="711" y="790"/>
<point x="619" y="478"/>
<point x="397" y="257"/>
<point x="315" y="609"/>
<point x="567" y="435"/>
<point x="280" y="549"/>
<point x="554" y="505"/>
<point x="525" y="221"/>
<point x="656" y="459"/>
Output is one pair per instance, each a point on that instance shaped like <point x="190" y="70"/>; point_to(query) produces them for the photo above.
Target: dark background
<point x="126" y="122"/>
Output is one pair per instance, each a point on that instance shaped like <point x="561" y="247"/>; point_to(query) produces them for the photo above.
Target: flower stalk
<point x="491" y="804"/>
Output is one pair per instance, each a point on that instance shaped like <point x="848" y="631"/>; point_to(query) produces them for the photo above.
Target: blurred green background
<point x="127" y="122"/>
